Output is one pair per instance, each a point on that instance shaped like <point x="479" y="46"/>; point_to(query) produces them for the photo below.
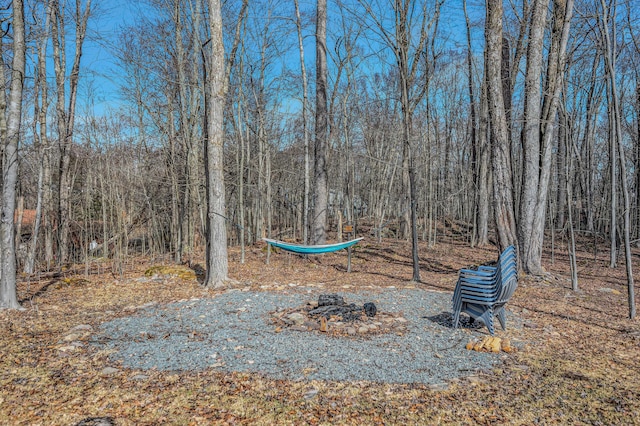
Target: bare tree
<point x="66" y="113"/>
<point x="531" y="129"/>
<point x="9" y="137"/>
<point x="615" y="134"/>
<point x="539" y="149"/>
<point x="43" y="201"/>
<point x="305" y="101"/>
<point x="320" y="189"/>
<point x="500" y="156"/>
<point x="216" y="249"/>
<point x="479" y="148"/>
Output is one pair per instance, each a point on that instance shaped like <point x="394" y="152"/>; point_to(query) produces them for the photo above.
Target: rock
<point x="370" y="309"/>
<point x="310" y="394"/>
<point x="311" y="325"/>
<point x="109" y="371"/>
<point x="351" y="331"/>
<point x="297" y="318"/>
<point x="71" y="337"/>
<point x="96" y="421"/>
<point x="475" y="380"/>
<point x="82" y="327"/>
<point x="68" y="348"/>
<point x="139" y="377"/>
<point x="363" y="330"/>
<point x="439" y="387"/>
<point x="330" y="300"/>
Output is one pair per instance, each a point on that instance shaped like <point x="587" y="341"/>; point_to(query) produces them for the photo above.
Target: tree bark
<point x="43" y="198"/>
<point x="501" y="157"/>
<point x="305" y="131"/>
<point x="563" y="11"/>
<point x="320" y="190"/>
<point x="617" y="143"/>
<point x="216" y="244"/>
<point x="531" y="134"/>
<point x="10" y="139"/>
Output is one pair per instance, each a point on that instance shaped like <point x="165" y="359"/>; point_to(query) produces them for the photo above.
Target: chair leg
<point x="502" y="319"/>
<point x="489" y="321"/>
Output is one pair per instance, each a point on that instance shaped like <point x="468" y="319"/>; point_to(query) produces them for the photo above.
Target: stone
<point x="297" y="318"/>
<point x="109" y="371"/>
<point x="310" y="394"/>
<point x="370" y="309"/>
<point x="330" y="300"/>
<point x="72" y="337"/>
<point x="138" y="377"/>
<point x="96" y="421"/>
<point x="312" y="325"/>
<point x="438" y="387"/>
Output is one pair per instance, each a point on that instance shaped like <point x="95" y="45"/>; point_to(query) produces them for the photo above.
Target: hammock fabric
<point x="319" y="249"/>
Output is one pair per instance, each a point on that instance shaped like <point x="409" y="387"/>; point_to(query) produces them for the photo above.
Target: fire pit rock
<point x="332" y="315"/>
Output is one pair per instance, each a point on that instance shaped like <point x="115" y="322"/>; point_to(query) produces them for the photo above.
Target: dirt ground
<point x="578" y="360"/>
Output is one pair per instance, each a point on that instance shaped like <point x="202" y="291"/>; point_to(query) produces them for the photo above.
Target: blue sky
<point x="101" y="75"/>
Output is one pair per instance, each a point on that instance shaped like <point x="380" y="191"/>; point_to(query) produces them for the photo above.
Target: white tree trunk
<point x="320" y="193"/>
<point x="8" y="296"/>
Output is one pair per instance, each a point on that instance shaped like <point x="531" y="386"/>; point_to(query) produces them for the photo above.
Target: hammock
<point x="302" y="249"/>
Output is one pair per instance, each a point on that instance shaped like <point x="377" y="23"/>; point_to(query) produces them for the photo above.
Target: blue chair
<point x="485" y="276"/>
<point x="482" y="293"/>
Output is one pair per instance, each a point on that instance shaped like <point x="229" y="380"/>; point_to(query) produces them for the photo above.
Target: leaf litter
<point x="577" y="359"/>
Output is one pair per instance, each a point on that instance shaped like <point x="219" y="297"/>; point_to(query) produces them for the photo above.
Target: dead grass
<point x="580" y="363"/>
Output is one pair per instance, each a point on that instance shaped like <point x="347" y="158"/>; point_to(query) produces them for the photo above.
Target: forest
<point x="137" y="191"/>
<point x="520" y="122"/>
<point x="405" y="119"/>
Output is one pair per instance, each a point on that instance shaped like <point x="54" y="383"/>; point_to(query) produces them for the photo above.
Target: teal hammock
<point x="318" y="249"/>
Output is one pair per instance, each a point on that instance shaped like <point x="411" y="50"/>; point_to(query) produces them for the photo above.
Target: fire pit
<point x="332" y="315"/>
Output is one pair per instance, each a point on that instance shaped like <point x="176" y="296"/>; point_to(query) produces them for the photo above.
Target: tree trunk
<point x="484" y="174"/>
<point x="561" y="197"/>
<point x="43" y="198"/>
<point x="66" y="115"/>
<point x="320" y="190"/>
<point x="533" y="238"/>
<point x="531" y="134"/>
<point x="569" y="194"/>
<point x="305" y="101"/>
<point x="10" y="137"/>
<point x="501" y="157"/>
<point x="616" y="142"/>
<point x="216" y="248"/>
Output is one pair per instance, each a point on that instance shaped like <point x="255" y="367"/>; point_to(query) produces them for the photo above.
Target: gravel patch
<point x="231" y="332"/>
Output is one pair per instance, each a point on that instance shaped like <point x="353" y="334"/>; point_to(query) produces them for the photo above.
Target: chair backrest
<point x="508" y="278"/>
<point x="508" y="255"/>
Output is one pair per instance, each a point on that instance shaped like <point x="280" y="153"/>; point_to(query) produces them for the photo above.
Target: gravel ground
<point x="231" y="332"/>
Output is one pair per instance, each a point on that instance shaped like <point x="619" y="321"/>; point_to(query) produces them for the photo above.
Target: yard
<point x="577" y="359"/>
